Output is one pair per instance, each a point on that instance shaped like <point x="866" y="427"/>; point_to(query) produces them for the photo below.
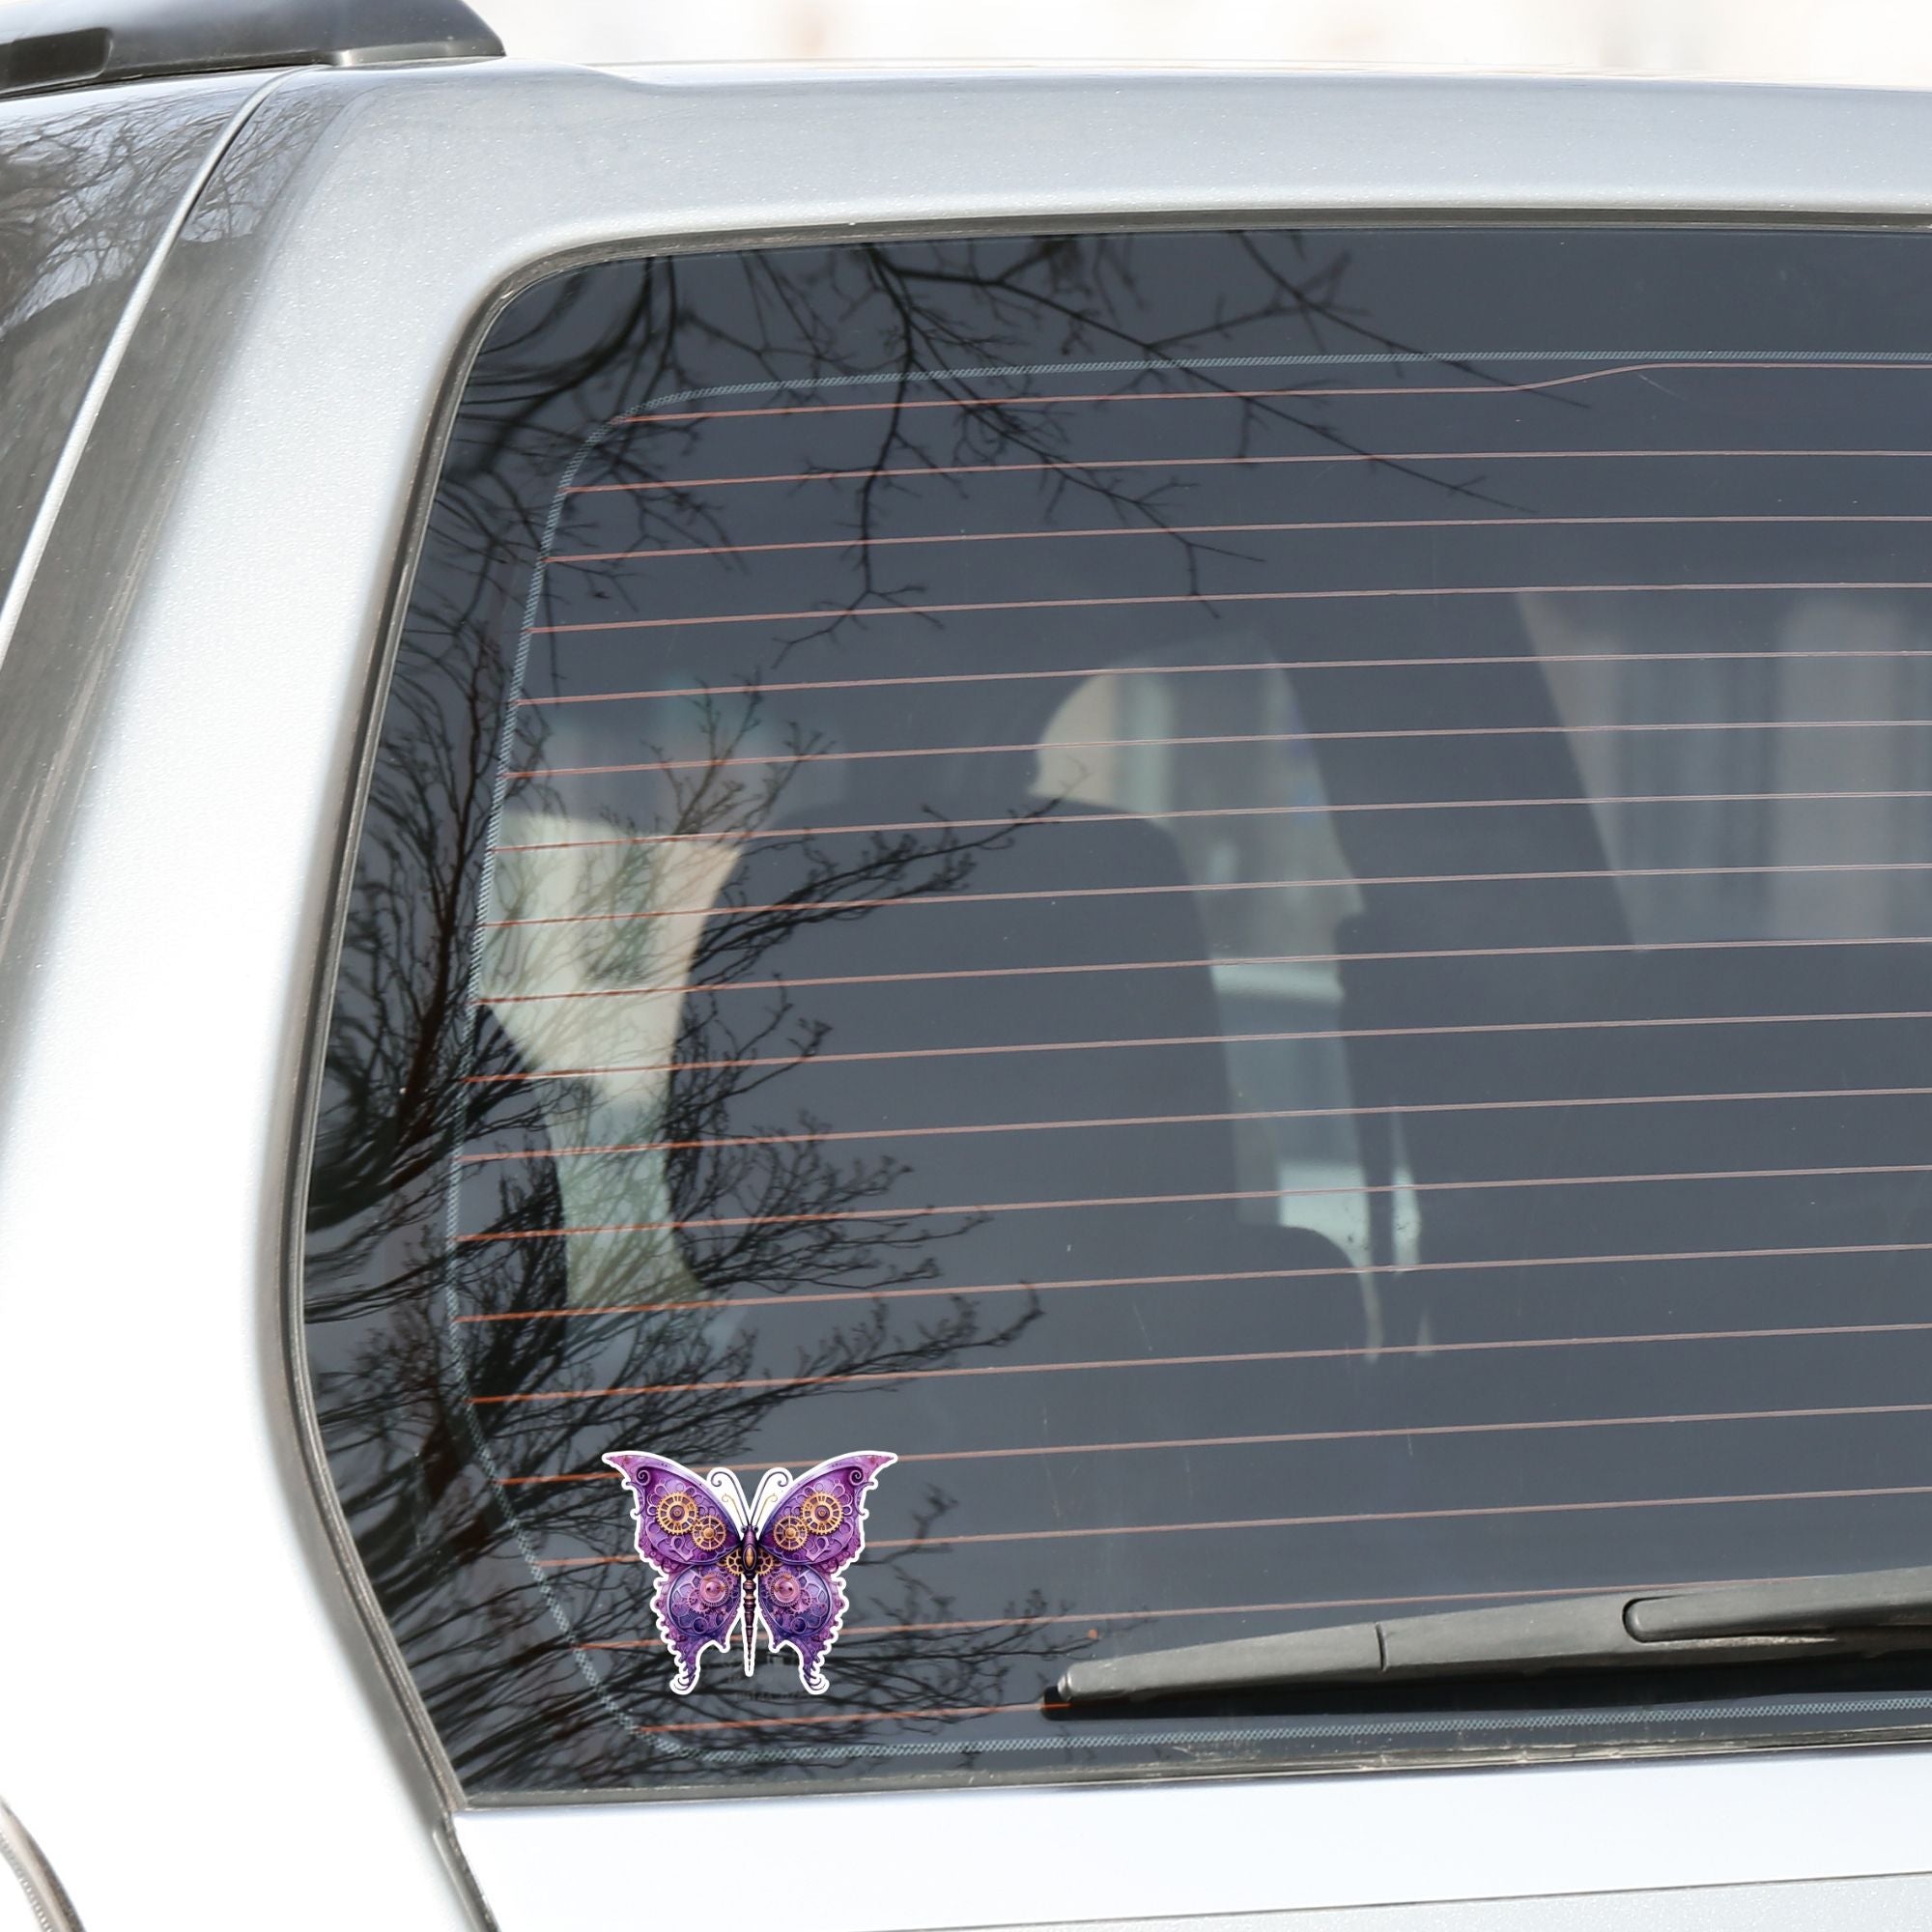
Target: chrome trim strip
<point x="24" y="1858"/>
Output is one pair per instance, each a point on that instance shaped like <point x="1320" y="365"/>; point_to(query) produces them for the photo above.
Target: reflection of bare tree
<point x="62" y="171"/>
<point x="466" y="1389"/>
<point x="808" y="313"/>
<point x="697" y="982"/>
<point x="412" y="1077"/>
<point x="84" y="192"/>
<point x="892" y="315"/>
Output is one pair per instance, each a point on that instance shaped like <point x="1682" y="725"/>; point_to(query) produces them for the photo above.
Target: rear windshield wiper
<point x="1870" y="1611"/>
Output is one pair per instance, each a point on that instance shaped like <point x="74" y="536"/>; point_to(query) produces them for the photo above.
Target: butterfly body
<point x="727" y="1569"/>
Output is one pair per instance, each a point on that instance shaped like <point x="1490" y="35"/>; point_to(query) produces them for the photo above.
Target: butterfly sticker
<point x="727" y="1567"/>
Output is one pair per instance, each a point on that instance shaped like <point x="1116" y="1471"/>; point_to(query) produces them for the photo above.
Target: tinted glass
<point x="1259" y="898"/>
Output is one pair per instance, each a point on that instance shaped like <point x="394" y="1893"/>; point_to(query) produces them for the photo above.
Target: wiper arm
<point x="1870" y="1611"/>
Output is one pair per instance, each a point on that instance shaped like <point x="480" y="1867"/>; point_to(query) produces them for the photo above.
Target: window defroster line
<point x="1351" y="1352"/>
<point x="1080" y="1203"/>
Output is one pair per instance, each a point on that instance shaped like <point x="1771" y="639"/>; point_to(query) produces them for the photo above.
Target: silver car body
<point x="200" y="1718"/>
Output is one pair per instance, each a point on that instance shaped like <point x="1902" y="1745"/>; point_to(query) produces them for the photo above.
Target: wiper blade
<point x="1863" y="1614"/>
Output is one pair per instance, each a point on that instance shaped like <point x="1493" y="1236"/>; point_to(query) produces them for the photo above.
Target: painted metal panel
<point x="89" y="188"/>
<point x="1147" y="1852"/>
<point x="183" y="713"/>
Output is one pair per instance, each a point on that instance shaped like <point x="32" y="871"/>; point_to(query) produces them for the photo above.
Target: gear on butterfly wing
<point x="709" y="1533"/>
<point x="677" y="1513"/>
<point x="789" y="1533"/>
<point x="821" y="1513"/>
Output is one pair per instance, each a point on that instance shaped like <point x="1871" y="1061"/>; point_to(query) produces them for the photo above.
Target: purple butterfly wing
<point x="688" y="1527"/>
<point x="805" y="1536"/>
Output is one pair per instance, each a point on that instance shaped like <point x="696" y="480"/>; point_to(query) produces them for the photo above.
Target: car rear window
<point x="1259" y="899"/>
